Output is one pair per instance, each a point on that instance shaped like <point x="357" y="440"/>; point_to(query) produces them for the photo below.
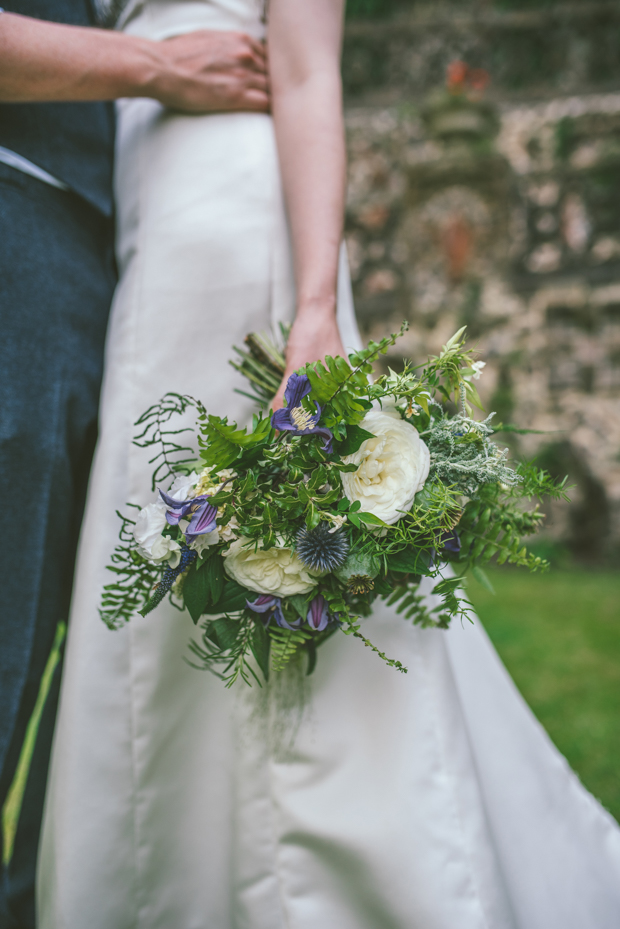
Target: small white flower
<point x="230" y="531"/>
<point x="276" y="571"/>
<point x="392" y="467"/>
<point x="336" y="521"/>
<point x="182" y="486"/>
<point x="210" y="482"/>
<point x="166" y="549"/>
<point x="477" y="368"/>
<point x="147" y="532"/>
<point x="204" y="541"/>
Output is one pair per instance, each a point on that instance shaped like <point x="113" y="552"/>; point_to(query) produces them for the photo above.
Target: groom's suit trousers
<point x="56" y="283"/>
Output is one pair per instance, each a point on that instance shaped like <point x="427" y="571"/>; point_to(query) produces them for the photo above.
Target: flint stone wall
<point x="519" y="239"/>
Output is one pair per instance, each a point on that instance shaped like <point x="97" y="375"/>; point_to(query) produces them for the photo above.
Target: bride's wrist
<point x="317" y="309"/>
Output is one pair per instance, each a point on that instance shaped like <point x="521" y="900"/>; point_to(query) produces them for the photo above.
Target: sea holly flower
<point x="295" y="418"/>
<point x="273" y="605"/>
<point x="318" y="614"/>
<point x="322" y="549"/>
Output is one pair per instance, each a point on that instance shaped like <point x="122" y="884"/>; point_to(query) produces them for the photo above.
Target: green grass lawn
<point x="559" y="636"/>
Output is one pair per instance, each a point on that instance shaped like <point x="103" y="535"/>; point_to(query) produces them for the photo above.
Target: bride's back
<point x="160" y="19"/>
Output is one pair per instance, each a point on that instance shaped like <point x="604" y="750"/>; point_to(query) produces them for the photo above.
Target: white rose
<point x="277" y="571"/>
<point x="392" y="467"/>
<point x="147" y="532"/>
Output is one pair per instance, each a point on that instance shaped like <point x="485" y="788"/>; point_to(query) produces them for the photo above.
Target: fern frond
<point x="222" y="443"/>
<point x="285" y="645"/>
<point x="136" y="578"/>
<point x="170" y="455"/>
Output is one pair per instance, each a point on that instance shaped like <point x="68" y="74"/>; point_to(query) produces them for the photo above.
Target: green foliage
<point x="226" y="648"/>
<point x="422" y="612"/>
<point x="490" y="528"/>
<point x="463" y="455"/>
<point x="353" y="438"/>
<point x="135" y="580"/>
<point x="204" y="585"/>
<point x="390" y="662"/>
<point x="154" y="432"/>
<point x="222" y="444"/>
<point x="286" y="645"/>
<point x="339" y="387"/>
<point x="260" y="643"/>
<point x="262" y="363"/>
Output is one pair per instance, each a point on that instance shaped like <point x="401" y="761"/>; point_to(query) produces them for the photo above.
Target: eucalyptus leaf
<point x="482" y="578"/>
<point x="260" y="645"/>
<point x="196" y="590"/>
<point x="370" y="519"/>
<point x="227" y="631"/>
<point x="233" y="597"/>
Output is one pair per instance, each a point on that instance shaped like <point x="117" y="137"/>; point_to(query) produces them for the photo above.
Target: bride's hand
<point x="313" y="336"/>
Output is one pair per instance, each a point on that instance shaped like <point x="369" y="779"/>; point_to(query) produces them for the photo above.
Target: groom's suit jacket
<point x="56" y="282"/>
<point x="73" y="142"/>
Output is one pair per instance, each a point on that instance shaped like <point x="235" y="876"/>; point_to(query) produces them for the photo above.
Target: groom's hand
<point x="199" y="72"/>
<point x="212" y="71"/>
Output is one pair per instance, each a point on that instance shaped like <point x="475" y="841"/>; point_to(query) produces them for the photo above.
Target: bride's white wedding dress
<point x="357" y="798"/>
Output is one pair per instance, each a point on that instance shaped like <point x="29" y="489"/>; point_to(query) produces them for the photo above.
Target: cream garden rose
<point x="276" y="571"/>
<point x="392" y="467"/>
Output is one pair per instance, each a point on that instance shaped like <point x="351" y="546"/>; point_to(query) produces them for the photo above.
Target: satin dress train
<point x="357" y="798"/>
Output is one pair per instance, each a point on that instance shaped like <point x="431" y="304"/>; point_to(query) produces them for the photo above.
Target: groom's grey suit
<point x="56" y="282"/>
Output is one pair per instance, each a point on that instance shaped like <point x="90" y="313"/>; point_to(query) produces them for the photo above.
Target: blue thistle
<point x="168" y="578"/>
<point x="320" y="549"/>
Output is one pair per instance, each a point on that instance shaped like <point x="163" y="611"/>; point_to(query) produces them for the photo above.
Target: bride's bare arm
<point x="202" y="71"/>
<point x="304" y="66"/>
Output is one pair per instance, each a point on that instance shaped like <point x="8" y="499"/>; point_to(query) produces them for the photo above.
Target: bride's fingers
<point x="256" y="81"/>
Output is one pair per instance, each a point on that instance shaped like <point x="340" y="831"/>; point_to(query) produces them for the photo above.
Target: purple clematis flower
<point x="318" y="614"/>
<point x="203" y="514"/>
<point x="294" y="418"/>
<point x="177" y="509"/>
<point x="265" y="603"/>
<point x="451" y="541"/>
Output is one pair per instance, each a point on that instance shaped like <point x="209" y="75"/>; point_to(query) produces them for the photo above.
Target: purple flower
<point x="265" y="603"/>
<point x="203" y="514"/>
<point x="318" y="614"/>
<point x="295" y="418"/>
<point x="176" y="508"/>
<point x="451" y="541"/>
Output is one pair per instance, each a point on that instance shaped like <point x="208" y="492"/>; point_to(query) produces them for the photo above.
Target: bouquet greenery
<point x="277" y="537"/>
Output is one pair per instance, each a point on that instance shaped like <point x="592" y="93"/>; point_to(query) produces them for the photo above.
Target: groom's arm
<point x="199" y="72"/>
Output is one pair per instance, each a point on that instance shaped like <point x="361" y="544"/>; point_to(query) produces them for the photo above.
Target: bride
<point x="356" y="798"/>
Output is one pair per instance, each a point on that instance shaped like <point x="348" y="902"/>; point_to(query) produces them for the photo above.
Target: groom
<point x="56" y="281"/>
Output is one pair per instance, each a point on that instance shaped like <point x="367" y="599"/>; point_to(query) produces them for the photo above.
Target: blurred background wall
<point x="484" y="189"/>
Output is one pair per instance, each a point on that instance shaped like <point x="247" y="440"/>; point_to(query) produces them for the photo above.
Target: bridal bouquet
<point x="276" y="537"/>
